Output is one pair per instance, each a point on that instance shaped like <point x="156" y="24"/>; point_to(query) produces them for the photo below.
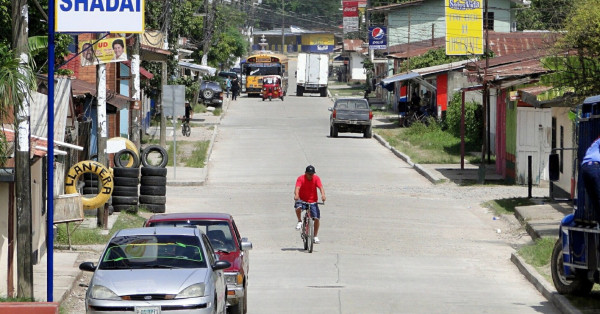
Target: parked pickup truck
<point x="350" y="115"/>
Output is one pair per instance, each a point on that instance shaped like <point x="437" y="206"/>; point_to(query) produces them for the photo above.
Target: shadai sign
<point x="113" y="16"/>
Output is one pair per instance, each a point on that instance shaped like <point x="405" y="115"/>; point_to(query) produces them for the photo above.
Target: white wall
<point x="357" y="72"/>
<point x="562" y="120"/>
<point x="3" y="238"/>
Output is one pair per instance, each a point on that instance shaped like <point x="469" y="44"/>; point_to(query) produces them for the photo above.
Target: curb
<point x="420" y="169"/>
<point x="540" y="283"/>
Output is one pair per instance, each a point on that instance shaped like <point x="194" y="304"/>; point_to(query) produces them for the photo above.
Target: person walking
<point x="235" y="88"/>
<point x="590" y="170"/>
<point x="306" y="190"/>
<point x="228" y="85"/>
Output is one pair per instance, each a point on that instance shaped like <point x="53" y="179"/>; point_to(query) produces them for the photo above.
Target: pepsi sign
<point x="377" y="37"/>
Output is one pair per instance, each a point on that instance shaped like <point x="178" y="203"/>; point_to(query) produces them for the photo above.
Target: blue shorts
<point x="315" y="212"/>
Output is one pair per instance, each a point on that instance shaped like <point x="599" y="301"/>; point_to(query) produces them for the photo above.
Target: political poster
<point x="377" y="37"/>
<point x="464" y="27"/>
<point x="350" y="16"/>
<point x="100" y="16"/>
<point x="104" y="51"/>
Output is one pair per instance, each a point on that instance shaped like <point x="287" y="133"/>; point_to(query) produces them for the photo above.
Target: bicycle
<point x="186" y="130"/>
<point x="308" y="226"/>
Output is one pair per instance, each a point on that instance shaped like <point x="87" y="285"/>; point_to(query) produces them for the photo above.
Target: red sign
<point x="350" y="8"/>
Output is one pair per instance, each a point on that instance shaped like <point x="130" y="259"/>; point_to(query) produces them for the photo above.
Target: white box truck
<point x="312" y="73"/>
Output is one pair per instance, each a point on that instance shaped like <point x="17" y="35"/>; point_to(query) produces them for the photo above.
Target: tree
<point x="10" y="92"/>
<point x="303" y="13"/>
<point x="576" y="60"/>
<point x="544" y="14"/>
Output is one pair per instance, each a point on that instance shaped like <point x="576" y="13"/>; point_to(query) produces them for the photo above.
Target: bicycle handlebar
<point x="307" y="203"/>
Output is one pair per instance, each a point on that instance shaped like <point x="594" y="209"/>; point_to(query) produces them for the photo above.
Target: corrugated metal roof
<point x="80" y="88"/>
<point x="353" y="45"/>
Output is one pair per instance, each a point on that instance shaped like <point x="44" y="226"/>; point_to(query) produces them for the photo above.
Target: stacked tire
<point x="90" y="189"/>
<point x="126" y="180"/>
<point x="153" y="183"/>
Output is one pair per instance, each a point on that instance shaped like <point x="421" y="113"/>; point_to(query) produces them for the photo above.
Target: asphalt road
<point x="391" y="242"/>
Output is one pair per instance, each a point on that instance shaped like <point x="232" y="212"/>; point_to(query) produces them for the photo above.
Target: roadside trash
<point x="495" y="218"/>
<point x="498" y="231"/>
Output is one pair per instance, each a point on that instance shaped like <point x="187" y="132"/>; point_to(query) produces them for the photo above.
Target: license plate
<point x="353" y="122"/>
<point x="147" y="310"/>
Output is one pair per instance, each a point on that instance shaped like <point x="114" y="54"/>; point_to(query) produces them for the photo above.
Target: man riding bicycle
<point x="306" y="190"/>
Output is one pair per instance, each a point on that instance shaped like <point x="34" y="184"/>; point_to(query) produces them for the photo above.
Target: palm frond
<point x="37" y="44"/>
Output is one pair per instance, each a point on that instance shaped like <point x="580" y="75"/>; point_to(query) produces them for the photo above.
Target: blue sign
<point x="377" y="37"/>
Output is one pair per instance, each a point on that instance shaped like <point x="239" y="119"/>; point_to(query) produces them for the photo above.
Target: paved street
<point x="391" y="242"/>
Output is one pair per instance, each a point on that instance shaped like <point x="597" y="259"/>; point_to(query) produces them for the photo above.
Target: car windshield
<point x="217" y="231"/>
<point x="351" y="104"/>
<point x="270" y="80"/>
<point x="153" y="251"/>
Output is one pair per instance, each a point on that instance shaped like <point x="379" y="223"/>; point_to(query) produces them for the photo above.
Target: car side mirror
<point x="554" y="167"/>
<point x="221" y="265"/>
<point x="87" y="266"/>
<point x="330" y="109"/>
<point x="246" y="245"/>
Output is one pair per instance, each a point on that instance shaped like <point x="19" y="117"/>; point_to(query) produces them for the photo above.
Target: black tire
<point x="90" y="177"/>
<point x="305" y="236"/>
<point x="151" y="171"/>
<point x="91" y="183"/>
<point x="126" y="172"/>
<point x="330" y="131"/>
<point x="263" y="99"/>
<point x="368" y="132"/>
<point x="125" y="200"/>
<point x="153" y="199"/>
<point x="154" y="148"/>
<point x="153" y="190"/>
<point x="579" y="285"/>
<point x="133" y="209"/>
<point x="239" y="307"/>
<point x="125" y="191"/>
<point x="153" y="180"/>
<point x="208" y="93"/>
<point x="124" y="181"/>
<point x="122" y="163"/>
<point x="323" y="91"/>
<point x="335" y="130"/>
<point x="154" y="208"/>
<point x="311" y="235"/>
<point x="300" y="91"/>
<point x="111" y="209"/>
<point x="90" y="191"/>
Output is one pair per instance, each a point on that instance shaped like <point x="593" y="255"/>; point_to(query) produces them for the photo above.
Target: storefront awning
<point x="197" y="67"/>
<point x="398" y="78"/>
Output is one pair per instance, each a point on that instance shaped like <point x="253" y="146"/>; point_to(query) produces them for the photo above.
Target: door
<point x="501" y="134"/>
<point x="534" y="133"/>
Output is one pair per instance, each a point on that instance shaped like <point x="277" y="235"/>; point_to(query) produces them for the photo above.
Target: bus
<point x="263" y="63"/>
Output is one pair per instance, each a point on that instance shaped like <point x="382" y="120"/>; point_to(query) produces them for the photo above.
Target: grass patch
<point x="427" y="144"/>
<point x="85" y="236"/>
<point x="17" y="300"/>
<point x="217" y="111"/>
<point x="198" y="157"/>
<point x="179" y="150"/>
<point x="539" y="253"/>
<point x="507" y="205"/>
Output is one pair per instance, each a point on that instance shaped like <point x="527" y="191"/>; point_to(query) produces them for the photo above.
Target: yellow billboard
<point x="104" y="51"/>
<point x="317" y="39"/>
<point x="464" y="27"/>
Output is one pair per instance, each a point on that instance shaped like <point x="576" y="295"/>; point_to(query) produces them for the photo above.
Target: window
<point x="489" y="22"/>
<point x="562" y="145"/>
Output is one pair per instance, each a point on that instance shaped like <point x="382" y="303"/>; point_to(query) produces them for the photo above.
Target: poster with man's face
<point x="104" y="51"/>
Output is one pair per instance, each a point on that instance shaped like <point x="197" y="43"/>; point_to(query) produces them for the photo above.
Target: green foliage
<point x="473" y="119"/>
<point x="578" y="72"/>
<point x="191" y="86"/>
<point x="543" y="14"/>
<point x="227" y="44"/>
<point x="430" y="58"/>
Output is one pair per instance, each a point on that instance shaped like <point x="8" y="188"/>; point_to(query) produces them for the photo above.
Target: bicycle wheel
<point x="188" y="130"/>
<point x="304" y="234"/>
<point x="311" y="235"/>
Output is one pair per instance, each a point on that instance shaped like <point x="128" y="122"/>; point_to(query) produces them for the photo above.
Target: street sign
<point x="173" y="100"/>
<point x="377" y="37"/>
<point x="113" y="16"/>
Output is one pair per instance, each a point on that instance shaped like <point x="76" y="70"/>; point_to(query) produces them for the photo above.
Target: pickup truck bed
<point x="350" y="115"/>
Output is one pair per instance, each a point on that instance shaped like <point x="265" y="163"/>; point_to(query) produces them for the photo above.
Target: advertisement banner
<point x="464" y="27"/>
<point x="104" y="51"/>
<point x="350" y="16"/>
<point x="99" y="16"/>
<point x="377" y="37"/>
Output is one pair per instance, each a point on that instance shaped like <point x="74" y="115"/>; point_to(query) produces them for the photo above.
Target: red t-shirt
<point x="308" y="188"/>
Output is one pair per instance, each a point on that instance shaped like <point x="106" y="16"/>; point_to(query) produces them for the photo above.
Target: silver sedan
<point x="157" y="270"/>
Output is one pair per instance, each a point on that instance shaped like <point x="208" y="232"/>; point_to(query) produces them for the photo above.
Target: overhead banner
<point x="377" y="37"/>
<point x="464" y="27"/>
<point x="99" y="16"/>
<point x="104" y="51"/>
<point x="350" y="16"/>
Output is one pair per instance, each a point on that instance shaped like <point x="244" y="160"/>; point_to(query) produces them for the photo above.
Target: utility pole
<point x="135" y="130"/>
<point x="20" y="18"/>
<point x="486" y="98"/>
<point x="282" y="27"/>
<point x="101" y="131"/>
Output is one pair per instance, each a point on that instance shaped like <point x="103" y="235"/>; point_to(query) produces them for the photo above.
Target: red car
<point x="227" y="243"/>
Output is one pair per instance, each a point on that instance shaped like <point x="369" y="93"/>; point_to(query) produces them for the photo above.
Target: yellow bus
<point x="263" y="63"/>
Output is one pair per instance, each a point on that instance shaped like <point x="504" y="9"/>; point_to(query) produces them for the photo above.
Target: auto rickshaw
<point x="272" y="87"/>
